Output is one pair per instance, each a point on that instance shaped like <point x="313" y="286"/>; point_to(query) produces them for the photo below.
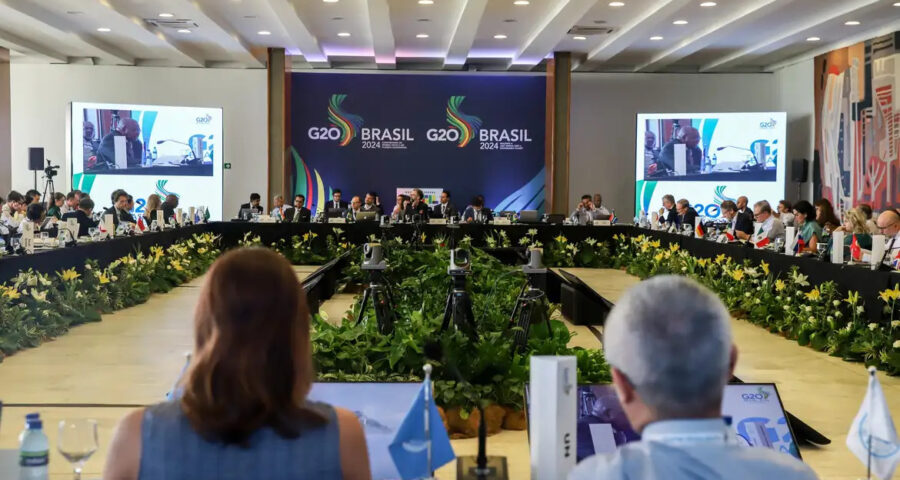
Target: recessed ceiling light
<point x="521" y="2"/>
<point x="579" y="37"/>
<point x="337" y="19"/>
<point x="422" y="35"/>
<point x="249" y="16"/>
<point x="813" y="39"/>
<point x="183" y="30"/>
<point x="897" y="4"/>
<point x="330" y="1"/>
<point x="500" y="36"/>
<point x="166" y="15"/>
<point x="103" y="29"/>
<point x="509" y="20"/>
<point x="851" y="23"/>
<point x="680" y="22"/>
<point x="426" y="2"/>
<point x="74" y="12"/>
<point x="708" y="4"/>
<point x="616" y="4"/>
<point x="656" y="38"/>
<point x="424" y="20"/>
<point x="344" y="34"/>
<point x="263" y="32"/>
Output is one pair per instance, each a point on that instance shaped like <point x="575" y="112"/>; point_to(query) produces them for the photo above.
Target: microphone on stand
<point x="194" y="158"/>
<point x="481" y="467"/>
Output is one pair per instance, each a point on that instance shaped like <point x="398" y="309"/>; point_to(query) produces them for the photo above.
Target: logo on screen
<point x="162" y="191"/>
<point x="466" y="125"/>
<point x="348" y="123"/>
<point x="769" y="124"/>
<point x="204" y="120"/>
<point x="759" y="396"/>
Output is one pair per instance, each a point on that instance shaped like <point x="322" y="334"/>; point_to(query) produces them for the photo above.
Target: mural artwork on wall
<point x="858" y="123"/>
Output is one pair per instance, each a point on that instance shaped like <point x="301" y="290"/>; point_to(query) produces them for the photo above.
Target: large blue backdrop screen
<point x="470" y="134"/>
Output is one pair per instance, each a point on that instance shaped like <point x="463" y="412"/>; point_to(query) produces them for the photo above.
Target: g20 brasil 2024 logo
<point x="344" y="126"/>
<point x="759" y="396"/>
<point x="463" y="128"/>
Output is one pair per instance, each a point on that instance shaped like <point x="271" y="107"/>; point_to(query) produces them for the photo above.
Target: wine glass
<point x="779" y="244"/>
<point x="94" y="232"/>
<point x="821" y="248"/>
<point x="77" y="441"/>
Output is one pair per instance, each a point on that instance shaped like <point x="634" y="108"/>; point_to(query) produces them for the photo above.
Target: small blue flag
<point x="409" y="449"/>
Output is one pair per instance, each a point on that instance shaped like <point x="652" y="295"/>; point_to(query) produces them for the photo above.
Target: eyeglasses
<point x="886" y="226"/>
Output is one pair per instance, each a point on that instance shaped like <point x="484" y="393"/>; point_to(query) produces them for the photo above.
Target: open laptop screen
<point x="756" y="412"/>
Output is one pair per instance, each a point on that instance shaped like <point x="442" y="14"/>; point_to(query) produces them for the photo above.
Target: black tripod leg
<point x="448" y="311"/>
<point x="362" y="307"/>
<point x="470" y="316"/>
<point x="512" y="318"/>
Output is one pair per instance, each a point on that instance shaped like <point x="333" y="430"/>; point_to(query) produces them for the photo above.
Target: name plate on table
<point x="502" y="221"/>
<point x="437" y="221"/>
<point x="72" y="225"/>
<point x="27" y="241"/>
<point x="602" y="223"/>
<point x="337" y="220"/>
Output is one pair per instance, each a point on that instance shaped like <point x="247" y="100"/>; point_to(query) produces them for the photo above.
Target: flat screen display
<point x="756" y="412"/>
<point x="147" y="149"/>
<point x="708" y="158"/>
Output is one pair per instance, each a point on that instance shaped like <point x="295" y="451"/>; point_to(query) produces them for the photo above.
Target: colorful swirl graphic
<point x="161" y="189"/>
<point x="347" y="122"/>
<point x="467" y="125"/>
<point x="720" y="195"/>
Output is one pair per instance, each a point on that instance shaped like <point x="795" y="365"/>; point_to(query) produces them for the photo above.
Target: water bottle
<point x="34" y="450"/>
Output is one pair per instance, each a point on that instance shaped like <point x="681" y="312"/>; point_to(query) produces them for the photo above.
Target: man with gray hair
<point x="668" y="343"/>
<point x="770" y="227"/>
<point x="667" y="213"/>
<point x="686" y="214"/>
<point x="693" y="162"/>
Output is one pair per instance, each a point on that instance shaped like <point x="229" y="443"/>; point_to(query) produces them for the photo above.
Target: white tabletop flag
<point x="873" y="426"/>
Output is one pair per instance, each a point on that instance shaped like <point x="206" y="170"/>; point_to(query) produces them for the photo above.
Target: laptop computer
<point x="366" y="216"/>
<point x="529" y="216"/>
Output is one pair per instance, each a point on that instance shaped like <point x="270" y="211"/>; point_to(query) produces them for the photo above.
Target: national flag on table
<point x="205" y="214"/>
<point x="409" y="448"/>
<point x="729" y="236"/>
<point x="762" y="243"/>
<point x="612" y="218"/>
<point x="800" y="245"/>
<point x="855" y="250"/>
<point x="140" y="224"/>
<point x="895" y="262"/>
<point x="196" y="217"/>
<point x="872" y="436"/>
<point x="699" y="232"/>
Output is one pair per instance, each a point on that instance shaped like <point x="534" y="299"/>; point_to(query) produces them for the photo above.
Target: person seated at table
<point x="600" y="210"/>
<point x="153" y="204"/>
<point x="444" y="209"/>
<point x="13" y="211"/>
<point x="169" y="206"/>
<point x="784" y="213"/>
<point x="84" y="215"/>
<point x="866" y="209"/>
<point x="477" y="212"/>
<point x="253" y="206"/>
<point x="418" y="205"/>
<point x="71" y="203"/>
<point x="693" y="158"/>
<point x="130" y="208"/>
<point x="243" y="407"/>
<point x="278" y="211"/>
<point x="55" y="209"/>
<point x="742" y="203"/>
<point x="583" y="213"/>
<point x="889" y="226"/>
<point x="298" y="213"/>
<point x="740" y="226"/>
<point x="34" y="216"/>
<point x="825" y="216"/>
<point x="769" y="226"/>
<point x="399" y="210"/>
<point x="355" y="205"/>
<point x="669" y="345"/>
<point x="119" y="210"/>
<point x="807" y="228"/>
<point x="134" y="149"/>
<point x="32" y="196"/>
<point x="854" y="225"/>
<point x="370" y="206"/>
<point x="336" y="203"/>
<point x="686" y="215"/>
<point x="667" y="213"/>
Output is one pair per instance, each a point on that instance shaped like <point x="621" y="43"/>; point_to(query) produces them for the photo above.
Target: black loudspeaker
<point x="36" y="158"/>
<point x="799" y="170"/>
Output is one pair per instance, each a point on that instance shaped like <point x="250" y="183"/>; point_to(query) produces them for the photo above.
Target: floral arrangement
<point x="819" y="316"/>
<point x="35" y="306"/>
<point x="307" y="249"/>
<point x="560" y="252"/>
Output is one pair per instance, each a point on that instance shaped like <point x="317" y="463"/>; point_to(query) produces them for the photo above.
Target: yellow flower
<point x="813" y="295"/>
<point x="69" y="275"/>
<point x="561" y="239"/>
<point x="765" y="267"/>
<point x="423" y="237"/>
<point x="658" y="257"/>
<point x="890" y="294"/>
<point x="721" y="258"/>
<point x="779" y="285"/>
<point x="703" y="262"/>
<point x="655" y="244"/>
<point x="852" y="297"/>
<point x="11" y="293"/>
<point x="674" y="247"/>
<point x="201" y="250"/>
<point x="176" y="265"/>
<point x="103" y="279"/>
<point x="306" y="236"/>
<point x="737" y="275"/>
<point x="345" y="245"/>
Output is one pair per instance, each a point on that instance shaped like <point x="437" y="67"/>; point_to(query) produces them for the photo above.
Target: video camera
<point x="460" y="262"/>
<point x="50" y="170"/>
<point x="373" y="257"/>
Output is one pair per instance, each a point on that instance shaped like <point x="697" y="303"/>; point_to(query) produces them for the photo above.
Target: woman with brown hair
<point x="825" y="216"/>
<point x="243" y="412"/>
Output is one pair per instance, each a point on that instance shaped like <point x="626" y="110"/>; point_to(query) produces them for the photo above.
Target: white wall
<point x="796" y="97"/>
<point x="40" y="103"/>
<point x="604" y="109"/>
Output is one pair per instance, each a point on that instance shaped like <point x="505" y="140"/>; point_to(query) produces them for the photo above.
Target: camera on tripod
<point x="373" y="257"/>
<point x="460" y="263"/>
<point x="50" y="170"/>
<point x="378" y="291"/>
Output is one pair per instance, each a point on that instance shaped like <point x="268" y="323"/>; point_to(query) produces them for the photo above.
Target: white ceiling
<point x="733" y="35"/>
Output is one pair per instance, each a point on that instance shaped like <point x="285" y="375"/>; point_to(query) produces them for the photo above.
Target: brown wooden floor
<point x="131" y="357"/>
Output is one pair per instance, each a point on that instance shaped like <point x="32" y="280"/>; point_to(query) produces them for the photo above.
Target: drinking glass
<point x="77" y="441"/>
<point x="821" y="247"/>
<point x="44" y="237"/>
<point x="779" y="244"/>
<point x="94" y="232"/>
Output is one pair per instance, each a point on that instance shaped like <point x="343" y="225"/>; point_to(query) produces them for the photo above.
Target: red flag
<point x="855" y="250"/>
<point x="729" y="236"/>
<point x="698" y="231"/>
<point x="762" y="243"/>
<point x="800" y="246"/>
<point x="140" y="223"/>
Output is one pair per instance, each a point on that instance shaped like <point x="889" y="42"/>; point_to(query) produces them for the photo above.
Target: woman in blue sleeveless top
<point x="243" y="413"/>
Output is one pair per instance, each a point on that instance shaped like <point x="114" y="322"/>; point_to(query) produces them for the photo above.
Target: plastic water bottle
<point x="34" y="450"/>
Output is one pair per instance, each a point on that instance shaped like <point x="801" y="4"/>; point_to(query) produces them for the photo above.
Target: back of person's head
<point x="86" y="203"/>
<point x="153" y="202"/>
<point x="728" y="206"/>
<point x="866" y="209"/>
<point x="15" y="196"/>
<point x="787" y="205"/>
<point x="35" y="212"/>
<point x="826" y="212"/>
<point x="254" y="197"/>
<point x="763" y="206"/>
<point x="252" y="364"/>
<point x="172" y="200"/>
<point x="478" y="201"/>
<point x="671" y="337"/>
<point x="857" y="220"/>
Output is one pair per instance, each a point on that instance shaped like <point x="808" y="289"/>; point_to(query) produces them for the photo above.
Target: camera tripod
<point x="459" y="306"/>
<point x="382" y="300"/>
<point x="528" y="309"/>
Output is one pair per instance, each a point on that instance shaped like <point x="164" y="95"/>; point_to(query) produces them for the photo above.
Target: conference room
<point x="473" y="239"/>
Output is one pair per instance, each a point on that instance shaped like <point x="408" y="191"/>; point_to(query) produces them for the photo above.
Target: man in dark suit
<point x="686" y="214"/>
<point x="168" y="207"/>
<point x="253" y="206"/>
<point x="668" y="213"/>
<point x="741" y="227"/>
<point x="690" y="138"/>
<point x="370" y="205"/>
<point x="119" y="210"/>
<point x="134" y="149"/>
<point x="83" y="216"/>
<point x="298" y="213"/>
<point x="418" y="206"/>
<point x="336" y="203"/>
<point x="445" y="209"/>
<point x="477" y="212"/>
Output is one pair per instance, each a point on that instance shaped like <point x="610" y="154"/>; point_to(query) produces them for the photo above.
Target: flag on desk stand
<point x="729" y="236"/>
<point x="205" y="214"/>
<point x="855" y="250"/>
<point x="698" y="230"/>
<point x="763" y="242"/>
<point x="196" y="218"/>
<point x="421" y="444"/>
<point x="872" y="436"/>
<point x="612" y="218"/>
<point x="800" y="245"/>
<point x="141" y="225"/>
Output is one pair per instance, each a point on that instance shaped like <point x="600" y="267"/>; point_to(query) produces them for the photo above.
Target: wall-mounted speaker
<point x="799" y="170"/>
<point x="36" y="158"/>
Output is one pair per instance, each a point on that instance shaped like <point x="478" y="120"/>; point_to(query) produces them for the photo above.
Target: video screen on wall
<point x="708" y="158"/>
<point x="146" y="149"/>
